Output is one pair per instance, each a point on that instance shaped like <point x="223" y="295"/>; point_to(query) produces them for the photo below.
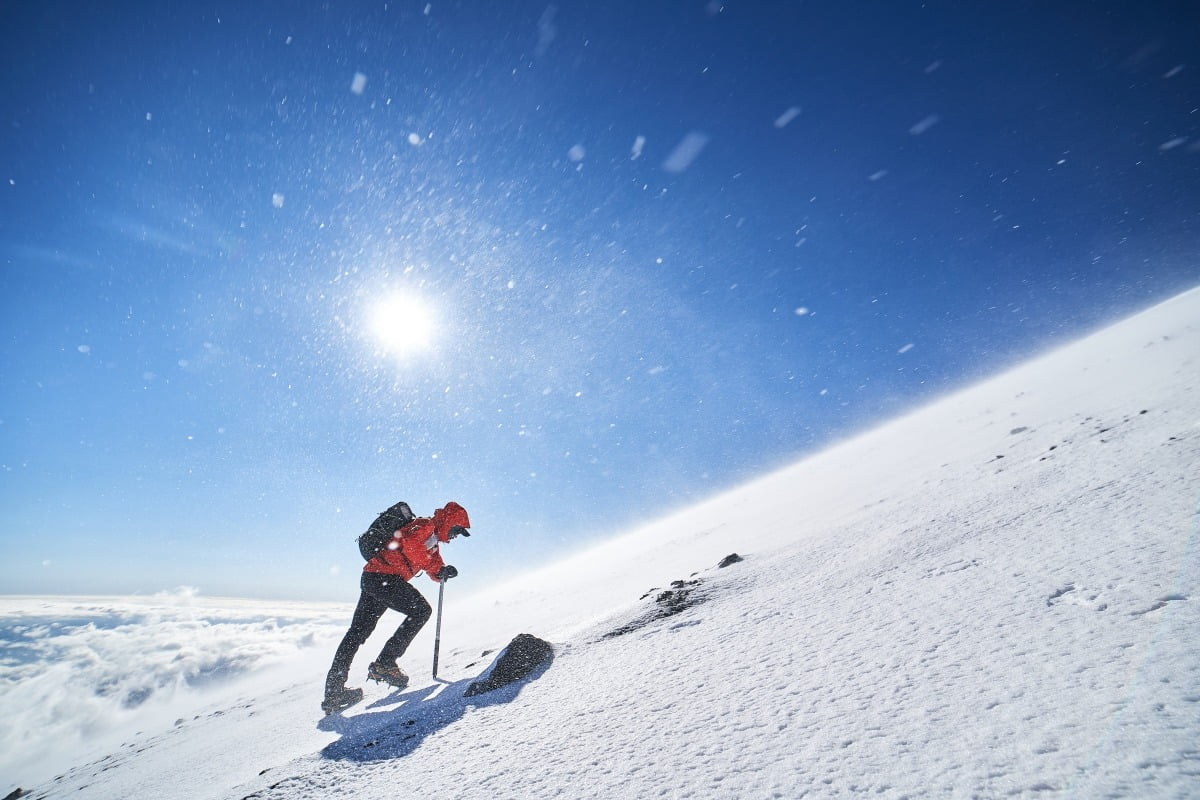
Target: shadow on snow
<point x="398" y="731"/>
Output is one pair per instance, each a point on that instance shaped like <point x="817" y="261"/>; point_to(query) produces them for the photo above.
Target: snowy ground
<point x="994" y="596"/>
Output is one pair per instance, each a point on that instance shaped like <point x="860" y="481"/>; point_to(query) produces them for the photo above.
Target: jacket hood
<point x="447" y="517"/>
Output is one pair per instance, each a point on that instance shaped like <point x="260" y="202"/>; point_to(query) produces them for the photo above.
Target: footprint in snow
<point x="1078" y="597"/>
<point x="1160" y="603"/>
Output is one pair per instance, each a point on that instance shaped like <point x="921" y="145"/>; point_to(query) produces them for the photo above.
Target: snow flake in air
<point x="277" y="200"/>
<point x="547" y="31"/>
<point x="687" y="151"/>
<point x="905" y="349"/>
<point x="636" y="151"/>
<point x="787" y="116"/>
<point x="359" y="84"/>
<point x="924" y="125"/>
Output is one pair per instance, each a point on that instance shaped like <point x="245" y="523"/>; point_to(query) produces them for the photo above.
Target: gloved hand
<point x="446" y="573"/>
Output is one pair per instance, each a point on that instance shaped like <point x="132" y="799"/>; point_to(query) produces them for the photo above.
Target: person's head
<point x="451" y="521"/>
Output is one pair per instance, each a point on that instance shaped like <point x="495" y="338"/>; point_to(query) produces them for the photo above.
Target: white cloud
<point x="79" y="672"/>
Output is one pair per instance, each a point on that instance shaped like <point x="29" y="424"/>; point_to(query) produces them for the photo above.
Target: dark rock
<point x="667" y="603"/>
<point x="524" y="654"/>
<point x="732" y="558"/>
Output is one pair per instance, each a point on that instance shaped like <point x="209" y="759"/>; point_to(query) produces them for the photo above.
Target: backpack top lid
<point x="385" y="525"/>
<point x="399" y="511"/>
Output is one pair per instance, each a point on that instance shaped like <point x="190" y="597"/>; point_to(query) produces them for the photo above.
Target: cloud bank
<point x="78" y="674"/>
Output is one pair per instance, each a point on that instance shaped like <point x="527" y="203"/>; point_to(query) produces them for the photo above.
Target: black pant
<point x="379" y="593"/>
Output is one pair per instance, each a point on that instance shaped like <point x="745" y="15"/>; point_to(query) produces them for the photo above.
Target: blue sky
<point x="664" y="248"/>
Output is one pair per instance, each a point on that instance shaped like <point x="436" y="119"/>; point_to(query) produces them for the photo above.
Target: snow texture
<point x="995" y="595"/>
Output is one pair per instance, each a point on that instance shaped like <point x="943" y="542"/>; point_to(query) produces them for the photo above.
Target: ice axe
<point x="437" y="634"/>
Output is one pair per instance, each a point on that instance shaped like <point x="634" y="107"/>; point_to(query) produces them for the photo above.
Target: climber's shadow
<point x="412" y="715"/>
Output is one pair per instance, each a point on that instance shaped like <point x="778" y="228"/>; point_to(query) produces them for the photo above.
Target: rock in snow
<point x="728" y="560"/>
<point x="524" y="654"/>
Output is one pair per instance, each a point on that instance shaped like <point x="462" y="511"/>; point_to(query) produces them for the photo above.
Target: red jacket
<point x="414" y="548"/>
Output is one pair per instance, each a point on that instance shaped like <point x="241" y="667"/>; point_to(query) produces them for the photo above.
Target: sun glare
<point x="402" y="324"/>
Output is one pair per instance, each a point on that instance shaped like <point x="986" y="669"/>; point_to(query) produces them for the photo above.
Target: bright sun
<point x="402" y="324"/>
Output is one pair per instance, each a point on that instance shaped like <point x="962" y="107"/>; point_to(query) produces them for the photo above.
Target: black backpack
<point x="382" y="529"/>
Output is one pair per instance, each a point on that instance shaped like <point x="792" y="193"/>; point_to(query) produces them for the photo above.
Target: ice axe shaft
<point x="437" y="633"/>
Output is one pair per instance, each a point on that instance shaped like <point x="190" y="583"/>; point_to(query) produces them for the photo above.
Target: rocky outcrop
<point x="524" y="654"/>
<point x="682" y="595"/>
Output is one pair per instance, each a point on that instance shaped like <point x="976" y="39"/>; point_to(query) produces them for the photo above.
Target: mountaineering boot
<point x="340" y="700"/>
<point x="387" y="673"/>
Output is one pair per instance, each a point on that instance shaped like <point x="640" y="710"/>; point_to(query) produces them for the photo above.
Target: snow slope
<point x="996" y="595"/>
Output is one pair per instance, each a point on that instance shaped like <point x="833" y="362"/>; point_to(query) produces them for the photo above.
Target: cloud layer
<point x="79" y="673"/>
